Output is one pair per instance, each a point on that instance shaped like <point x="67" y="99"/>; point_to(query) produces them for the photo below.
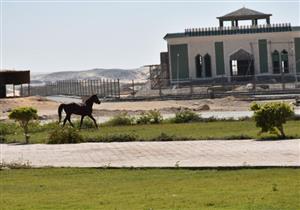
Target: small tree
<point x="23" y="115"/>
<point x="270" y="117"/>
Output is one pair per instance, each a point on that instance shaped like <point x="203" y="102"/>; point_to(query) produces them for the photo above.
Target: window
<point x="199" y="62"/>
<point x="234" y="67"/>
<point x="284" y="61"/>
<point x="207" y="65"/>
<point x="275" y="61"/>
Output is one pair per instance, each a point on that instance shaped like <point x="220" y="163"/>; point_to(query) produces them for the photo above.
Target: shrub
<point x="185" y="116"/>
<point x="270" y="117"/>
<point x="121" y="119"/>
<point x="23" y="115"/>
<point x="15" y="165"/>
<point x="3" y="132"/>
<point x="8" y="127"/>
<point x="150" y="117"/>
<point x="66" y="135"/>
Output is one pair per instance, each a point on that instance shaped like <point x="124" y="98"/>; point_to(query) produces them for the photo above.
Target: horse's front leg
<point x="93" y="120"/>
<point x="81" y="121"/>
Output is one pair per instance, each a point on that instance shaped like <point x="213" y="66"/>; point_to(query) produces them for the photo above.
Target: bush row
<point x="269" y="117"/>
<point x="71" y="135"/>
<point x="155" y="117"/>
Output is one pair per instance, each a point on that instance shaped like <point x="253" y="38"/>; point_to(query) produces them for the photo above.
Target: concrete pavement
<point x="211" y="153"/>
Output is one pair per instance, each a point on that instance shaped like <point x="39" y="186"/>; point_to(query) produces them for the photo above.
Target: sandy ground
<point x="48" y="109"/>
<point x="44" y="106"/>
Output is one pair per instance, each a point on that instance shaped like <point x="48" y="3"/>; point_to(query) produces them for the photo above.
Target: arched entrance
<point x="241" y="65"/>
<point x="199" y="64"/>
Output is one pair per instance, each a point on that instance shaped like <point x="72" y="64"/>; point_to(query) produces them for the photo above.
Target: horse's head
<point x="95" y="99"/>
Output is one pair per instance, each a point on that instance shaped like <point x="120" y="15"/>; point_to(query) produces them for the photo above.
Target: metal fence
<point x="234" y="85"/>
<point x="103" y="88"/>
<point x="164" y="88"/>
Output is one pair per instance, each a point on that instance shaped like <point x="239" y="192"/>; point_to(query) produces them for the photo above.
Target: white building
<point x="228" y="53"/>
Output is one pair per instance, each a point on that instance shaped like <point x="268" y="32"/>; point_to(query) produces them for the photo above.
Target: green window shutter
<point x="284" y="57"/>
<point x="219" y="53"/>
<point x="263" y="55"/>
<point x="297" y="54"/>
<point x="275" y="57"/>
<point x="179" y="59"/>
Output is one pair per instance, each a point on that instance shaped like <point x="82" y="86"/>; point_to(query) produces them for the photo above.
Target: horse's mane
<point x="88" y="100"/>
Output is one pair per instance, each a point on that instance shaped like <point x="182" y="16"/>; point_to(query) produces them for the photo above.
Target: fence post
<point x="46" y="89"/>
<point x="90" y="85"/>
<point x="104" y="88"/>
<point x="86" y="85"/>
<point x="78" y="87"/>
<point x="115" y="89"/>
<point x="107" y="88"/>
<point x="101" y="88"/>
<point x="282" y="79"/>
<point x="133" y="88"/>
<point x="111" y="88"/>
<point x="29" y="89"/>
<point x="119" y="91"/>
<point x="91" y="88"/>
<point x="21" y="93"/>
<point x="159" y="87"/>
<point x="72" y="87"/>
<point x="62" y="87"/>
<point x="97" y="86"/>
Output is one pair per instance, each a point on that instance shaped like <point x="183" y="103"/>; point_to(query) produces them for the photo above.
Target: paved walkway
<point x="157" y="154"/>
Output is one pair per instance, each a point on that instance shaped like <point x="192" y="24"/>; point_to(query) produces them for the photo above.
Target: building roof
<point x="243" y="14"/>
<point x="217" y="31"/>
<point x="14" y="77"/>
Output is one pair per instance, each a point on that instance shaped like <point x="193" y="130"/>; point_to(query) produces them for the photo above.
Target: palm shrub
<point x="270" y="117"/>
<point x="150" y="117"/>
<point x="24" y="115"/>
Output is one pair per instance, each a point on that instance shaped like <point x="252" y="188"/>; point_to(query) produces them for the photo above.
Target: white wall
<point x="232" y="43"/>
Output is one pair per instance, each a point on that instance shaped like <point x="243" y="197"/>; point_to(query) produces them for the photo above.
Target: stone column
<point x="236" y="23"/>
<point x="221" y="23"/>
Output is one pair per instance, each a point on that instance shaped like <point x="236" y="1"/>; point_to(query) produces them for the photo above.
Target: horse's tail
<point x="60" y="108"/>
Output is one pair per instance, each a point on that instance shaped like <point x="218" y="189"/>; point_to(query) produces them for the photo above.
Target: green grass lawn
<point x="134" y="189"/>
<point x="192" y="131"/>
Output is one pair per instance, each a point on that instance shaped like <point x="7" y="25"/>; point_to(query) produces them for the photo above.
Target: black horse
<point x="84" y="109"/>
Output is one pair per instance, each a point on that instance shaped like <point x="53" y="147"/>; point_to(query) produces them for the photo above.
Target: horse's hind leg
<point x="65" y="120"/>
<point x="69" y="119"/>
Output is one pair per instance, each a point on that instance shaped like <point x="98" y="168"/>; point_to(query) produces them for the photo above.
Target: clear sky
<point x="47" y="36"/>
